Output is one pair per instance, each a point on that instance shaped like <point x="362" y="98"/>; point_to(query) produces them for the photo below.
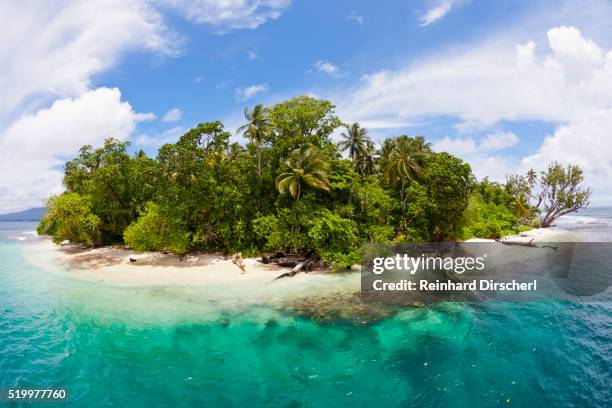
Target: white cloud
<point x="32" y="148"/>
<point x="223" y="84"/>
<point x="50" y="51"/>
<point x="587" y="142"/>
<point x="566" y="80"/>
<point x="173" y="115"/>
<point x="226" y="15"/>
<point x="244" y="94"/>
<point x="435" y="13"/>
<point x="167" y="136"/>
<point x="252" y="55"/>
<point x="47" y="110"/>
<point x="327" y="68"/>
<point x="463" y="146"/>
<point x="355" y="17"/>
<point x="498" y="141"/>
<point x="484" y="155"/>
<point x="493" y="82"/>
<point x="73" y="41"/>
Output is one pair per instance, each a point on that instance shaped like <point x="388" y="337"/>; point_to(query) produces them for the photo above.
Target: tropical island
<point x="292" y="189"/>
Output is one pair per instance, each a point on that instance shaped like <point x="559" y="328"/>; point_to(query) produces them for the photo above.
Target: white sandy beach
<point x="111" y="265"/>
<point x="535" y="235"/>
<point x="213" y="277"/>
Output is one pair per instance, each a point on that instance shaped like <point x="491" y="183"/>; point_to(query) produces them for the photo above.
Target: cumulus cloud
<point x="229" y="15"/>
<point x="47" y="110"/>
<point x="51" y="50"/>
<point x="173" y="115"/>
<point x="566" y="80"/>
<point x="33" y="148"/>
<point x="246" y="93"/>
<point x="587" y="142"/>
<point x="486" y="84"/>
<point x="73" y="41"/>
<point x="469" y="145"/>
<point x="484" y="154"/>
<point x="167" y="136"/>
<point x="327" y="68"/>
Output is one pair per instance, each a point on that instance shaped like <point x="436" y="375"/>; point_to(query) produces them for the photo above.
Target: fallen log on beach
<point x="303" y="266"/>
<point x="528" y="244"/>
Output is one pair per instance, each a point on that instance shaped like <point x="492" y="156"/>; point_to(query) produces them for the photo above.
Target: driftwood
<point x="239" y="261"/>
<point x="528" y="244"/>
<point x="303" y="266"/>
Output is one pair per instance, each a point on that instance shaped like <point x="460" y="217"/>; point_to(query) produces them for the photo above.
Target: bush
<point x="155" y="231"/>
<point x="334" y="238"/>
<point x="488" y="220"/>
<point x="69" y="217"/>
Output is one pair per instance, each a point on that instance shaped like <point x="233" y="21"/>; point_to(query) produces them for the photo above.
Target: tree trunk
<point x="258" y="161"/>
<point x="258" y="178"/>
<point x="403" y="197"/>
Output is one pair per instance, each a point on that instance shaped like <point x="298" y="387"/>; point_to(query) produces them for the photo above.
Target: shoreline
<point x="214" y="279"/>
<point x="124" y="267"/>
<point x="211" y="279"/>
<point x="550" y="234"/>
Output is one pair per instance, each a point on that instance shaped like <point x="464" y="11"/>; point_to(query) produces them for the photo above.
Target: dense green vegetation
<point x="288" y="189"/>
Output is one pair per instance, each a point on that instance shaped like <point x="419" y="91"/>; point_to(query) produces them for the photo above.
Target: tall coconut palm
<point x="305" y="165"/>
<point x="256" y="129"/>
<point x="522" y="209"/>
<point x="531" y="176"/>
<point x="354" y="140"/>
<point x="403" y="162"/>
<point x="367" y="162"/>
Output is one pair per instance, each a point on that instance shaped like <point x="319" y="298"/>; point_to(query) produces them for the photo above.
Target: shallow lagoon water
<point x="153" y="347"/>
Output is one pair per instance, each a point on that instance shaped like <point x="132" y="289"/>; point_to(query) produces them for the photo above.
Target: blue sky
<point x="507" y="85"/>
<point x="353" y="37"/>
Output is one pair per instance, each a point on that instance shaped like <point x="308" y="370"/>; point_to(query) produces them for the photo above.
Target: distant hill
<point x="33" y="214"/>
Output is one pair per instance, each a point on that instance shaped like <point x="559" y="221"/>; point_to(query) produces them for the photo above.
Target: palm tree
<point x="367" y="161"/>
<point x="404" y="160"/>
<point x="522" y="209"/>
<point x="531" y="176"/>
<point x="418" y="142"/>
<point x="256" y="129"/>
<point x="386" y="148"/>
<point x="354" y="140"/>
<point x="305" y="164"/>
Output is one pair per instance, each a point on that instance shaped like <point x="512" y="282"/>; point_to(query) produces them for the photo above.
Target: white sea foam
<point x="583" y="219"/>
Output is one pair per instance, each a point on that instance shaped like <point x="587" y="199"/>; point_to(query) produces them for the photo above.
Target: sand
<point x="535" y="235"/>
<point x="214" y="279"/>
<point x="112" y="266"/>
<point x="208" y="277"/>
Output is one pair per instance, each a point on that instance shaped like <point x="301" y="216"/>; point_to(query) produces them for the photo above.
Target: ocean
<point x="143" y="347"/>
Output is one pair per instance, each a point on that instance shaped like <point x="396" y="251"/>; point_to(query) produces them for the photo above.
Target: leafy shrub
<point x="488" y="220"/>
<point x="155" y="231"/>
<point x="334" y="238"/>
<point x="70" y="217"/>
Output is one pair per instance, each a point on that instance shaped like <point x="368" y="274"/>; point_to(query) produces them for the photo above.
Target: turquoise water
<point x="148" y="347"/>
